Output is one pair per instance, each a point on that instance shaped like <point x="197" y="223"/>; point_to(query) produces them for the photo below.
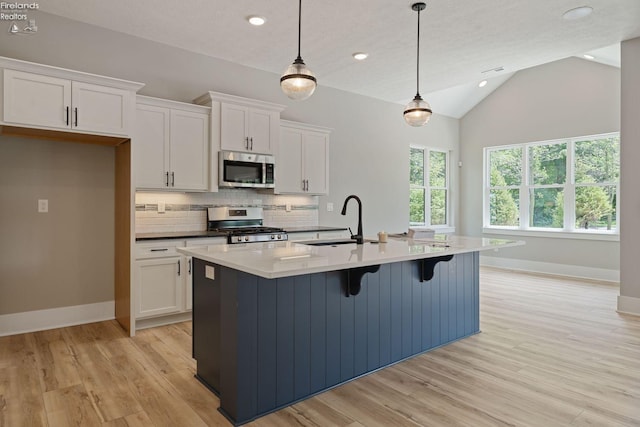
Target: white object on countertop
<point x="421" y="233"/>
<point x="382" y="237"/>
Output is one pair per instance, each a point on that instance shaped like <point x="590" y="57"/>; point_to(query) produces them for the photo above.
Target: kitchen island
<point x="275" y="323"/>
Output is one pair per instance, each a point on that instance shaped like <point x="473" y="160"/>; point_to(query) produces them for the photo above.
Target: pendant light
<point x="417" y="112"/>
<point x="298" y="82"/>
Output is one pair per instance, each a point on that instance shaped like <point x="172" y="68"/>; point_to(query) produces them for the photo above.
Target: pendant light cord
<point x="418" y="59"/>
<point x="299" y="27"/>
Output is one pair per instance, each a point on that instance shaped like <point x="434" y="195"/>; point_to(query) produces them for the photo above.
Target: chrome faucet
<point x="358" y="237"/>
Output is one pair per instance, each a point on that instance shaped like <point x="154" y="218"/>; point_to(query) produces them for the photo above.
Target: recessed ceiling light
<point x="482" y="83"/>
<point x="256" y="20"/>
<point x="577" y="13"/>
<point x="587" y="56"/>
<point x="360" y="56"/>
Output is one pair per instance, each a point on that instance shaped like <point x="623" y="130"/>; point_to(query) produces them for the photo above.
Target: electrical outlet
<point x="161" y="207"/>
<point x="43" y="205"/>
<point x="209" y="272"/>
<point x="288" y="207"/>
<point x="329" y="207"/>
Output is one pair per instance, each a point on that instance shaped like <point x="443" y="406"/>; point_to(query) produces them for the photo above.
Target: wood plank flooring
<point x="552" y="352"/>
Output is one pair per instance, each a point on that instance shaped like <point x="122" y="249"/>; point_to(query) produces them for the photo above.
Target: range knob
<point x="279" y="237"/>
<point x="273" y="236"/>
<point x="239" y="239"/>
<point x="246" y="238"/>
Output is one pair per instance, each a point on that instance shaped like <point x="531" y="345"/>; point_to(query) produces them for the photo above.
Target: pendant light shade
<point x="298" y="82"/>
<point x="418" y="111"/>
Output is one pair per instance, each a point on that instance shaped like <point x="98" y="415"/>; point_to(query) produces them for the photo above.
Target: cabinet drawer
<point x="161" y="249"/>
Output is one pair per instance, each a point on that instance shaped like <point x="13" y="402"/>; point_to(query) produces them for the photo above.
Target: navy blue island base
<point x="263" y="344"/>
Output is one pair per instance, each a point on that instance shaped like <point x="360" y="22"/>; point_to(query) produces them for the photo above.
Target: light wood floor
<point x="552" y="352"/>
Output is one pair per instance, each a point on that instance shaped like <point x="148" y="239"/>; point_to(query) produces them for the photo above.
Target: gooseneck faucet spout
<point x="358" y="237"/>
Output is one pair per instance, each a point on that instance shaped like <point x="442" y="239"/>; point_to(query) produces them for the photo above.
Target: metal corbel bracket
<point x="354" y="278"/>
<point x="427" y="266"/>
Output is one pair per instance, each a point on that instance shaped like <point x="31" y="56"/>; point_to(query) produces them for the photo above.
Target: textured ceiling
<point x="459" y="38"/>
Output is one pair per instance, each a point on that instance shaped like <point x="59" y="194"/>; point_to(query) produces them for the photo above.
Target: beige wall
<point x="64" y="257"/>
<point x="630" y="195"/>
<point x="566" y="98"/>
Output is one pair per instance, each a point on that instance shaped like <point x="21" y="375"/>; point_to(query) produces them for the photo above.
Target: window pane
<point x="416" y="205"/>
<point x="596" y="208"/>
<point x="548" y="164"/>
<point x="505" y="207"/>
<point x="506" y="167"/>
<point x="437" y="169"/>
<point x="438" y="207"/>
<point x="597" y="160"/>
<point x="546" y="208"/>
<point x="416" y="167"/>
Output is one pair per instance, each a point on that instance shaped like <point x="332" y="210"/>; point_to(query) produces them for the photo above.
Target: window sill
<point x="555" y="234"/>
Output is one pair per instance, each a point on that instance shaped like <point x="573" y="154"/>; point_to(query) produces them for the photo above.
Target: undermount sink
<point x="335" y="242"/>
<point x="331" y="243"/>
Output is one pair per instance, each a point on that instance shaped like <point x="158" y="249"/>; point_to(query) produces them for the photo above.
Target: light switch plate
<point x="209" y="272"/>
<point x="161" y="207"/>
<point x="43" y="205"/>
<point x="329" y="207"/>
<point x="288" y="207"/>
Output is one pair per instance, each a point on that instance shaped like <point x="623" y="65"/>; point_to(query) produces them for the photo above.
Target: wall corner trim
<point x="628" y="305"/>
<point x="40" y="320"/>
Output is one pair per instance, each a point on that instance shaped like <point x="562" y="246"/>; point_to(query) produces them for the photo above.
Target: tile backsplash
<point x="187" y="211"/>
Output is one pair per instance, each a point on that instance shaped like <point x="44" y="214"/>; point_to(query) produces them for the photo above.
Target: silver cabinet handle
<point x="159" y="250"/>
<point x="178" y="267"/>
<point x="303" y="185"/>
<point x="251" y="143"/>
<point x="173" y="179"/>
<point x="189" y="266"/>
<point x="167" y="178"/>
<point x="246" y="142"/>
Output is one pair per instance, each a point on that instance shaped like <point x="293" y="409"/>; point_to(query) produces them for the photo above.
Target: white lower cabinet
<point x="160" y="284"/>
<point x="159" y="276"/>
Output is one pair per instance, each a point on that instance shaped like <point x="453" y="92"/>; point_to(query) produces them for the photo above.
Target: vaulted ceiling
<point x="462" y="41"/>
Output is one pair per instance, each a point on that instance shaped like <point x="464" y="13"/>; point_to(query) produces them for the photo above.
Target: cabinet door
<point x="289" y="165"/>
<point x="33" y="99"/>
<point x="159" y="285"/>
<point x="315" y="160"/>
<point x="100" y="109"/>
<point x="261" y="131"/>
<point x="151" y="147"/>
<point x="234" y="127"/>
<point x="189" y="146"/>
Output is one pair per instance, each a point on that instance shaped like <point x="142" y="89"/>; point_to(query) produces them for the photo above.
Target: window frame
<point x="569" y="229"/>
<point x="426" y="168"/>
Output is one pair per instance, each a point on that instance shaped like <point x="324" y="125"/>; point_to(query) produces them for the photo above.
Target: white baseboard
<point x="629" y="305"/>
<point x="601" y="274"/>
<point x="40" y="320"/>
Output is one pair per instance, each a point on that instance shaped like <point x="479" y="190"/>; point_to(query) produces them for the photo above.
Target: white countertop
<point x="282" y="259"/>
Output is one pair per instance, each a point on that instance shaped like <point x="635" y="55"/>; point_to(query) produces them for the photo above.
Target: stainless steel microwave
<point x="247" y="170"/>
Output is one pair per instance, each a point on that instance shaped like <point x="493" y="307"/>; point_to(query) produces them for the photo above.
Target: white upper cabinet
<point x="171" y="145"/>
<point x="302" y="165"/>
<point x="243" y="124"/>
<point x="43" y="97"/>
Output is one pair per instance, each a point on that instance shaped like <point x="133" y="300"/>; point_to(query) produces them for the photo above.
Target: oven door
<point x="246" y="170"/>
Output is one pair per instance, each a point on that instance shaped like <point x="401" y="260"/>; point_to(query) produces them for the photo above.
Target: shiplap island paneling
<point x="265" y="343"/>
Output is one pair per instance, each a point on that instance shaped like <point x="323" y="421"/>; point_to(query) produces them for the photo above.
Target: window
<point x="429" y="187"/>
<point x="565" y="185"/>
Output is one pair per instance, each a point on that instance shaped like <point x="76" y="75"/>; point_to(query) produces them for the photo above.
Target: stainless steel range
<point x="243" y="225"/>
